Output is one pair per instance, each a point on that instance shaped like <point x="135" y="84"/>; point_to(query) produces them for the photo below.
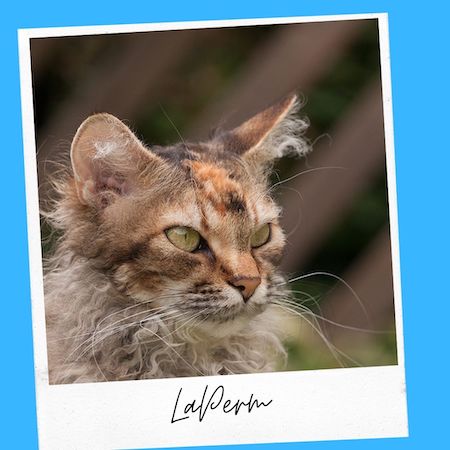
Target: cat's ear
<point x="273" y="133"/>
<point x="107" y="159"/>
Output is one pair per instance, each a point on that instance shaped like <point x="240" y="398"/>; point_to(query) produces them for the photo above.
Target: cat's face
<point x="189" y="229"/>
<point x="208" y="248"/>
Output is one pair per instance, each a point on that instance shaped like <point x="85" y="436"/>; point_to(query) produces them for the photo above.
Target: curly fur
<point x="124" y="303"/>
<point x="95" y="335"/>
<point x="286" y="138"/>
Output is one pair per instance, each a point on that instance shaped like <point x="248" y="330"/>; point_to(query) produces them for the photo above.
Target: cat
<point x="166" y="263"/>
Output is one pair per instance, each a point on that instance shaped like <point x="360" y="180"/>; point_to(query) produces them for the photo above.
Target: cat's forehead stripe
<point x="216" y="199"/>
<point x="219" y="189"/>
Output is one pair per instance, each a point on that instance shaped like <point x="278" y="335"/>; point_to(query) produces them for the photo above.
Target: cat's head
<point x="191" y="228"/>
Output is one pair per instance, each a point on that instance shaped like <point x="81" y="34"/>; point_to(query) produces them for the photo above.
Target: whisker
<point x="310" y="297"/>
<point x="184" y="324"/>
<point x="119" y="328"/>
<point x="141" y="326"/>
<point x="137" y="304"/>
<point x="333" y="349"/>
<point x="306" y="310"/>
<point x="110" y="328"/>
<point x="328" y="274"/>
<point x="304" y="172"/>
<point x="300" y="216"/>
<point x="195" y="369"/>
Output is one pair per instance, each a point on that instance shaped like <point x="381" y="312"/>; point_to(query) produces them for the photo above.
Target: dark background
<point x="335" y="212"/>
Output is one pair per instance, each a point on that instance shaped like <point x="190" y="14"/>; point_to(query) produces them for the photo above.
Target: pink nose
<point x="246" y="285"/>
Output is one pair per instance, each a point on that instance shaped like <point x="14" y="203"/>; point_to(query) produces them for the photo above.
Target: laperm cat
<point x="166" y="261"/>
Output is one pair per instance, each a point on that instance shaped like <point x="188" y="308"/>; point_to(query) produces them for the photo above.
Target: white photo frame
<point x="347" y="403"/>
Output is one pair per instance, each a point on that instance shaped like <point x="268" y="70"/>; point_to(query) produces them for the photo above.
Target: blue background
<point x="419" y="40"/>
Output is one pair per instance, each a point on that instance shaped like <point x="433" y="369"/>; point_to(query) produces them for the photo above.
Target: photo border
<point x="54" y="411"/>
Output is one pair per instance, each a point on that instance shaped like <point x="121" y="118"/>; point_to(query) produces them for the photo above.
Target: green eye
<point x="184" y="238"/>
<point x="260" y="236"/>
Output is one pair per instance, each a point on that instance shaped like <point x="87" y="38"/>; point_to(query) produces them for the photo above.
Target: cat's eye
<point x="260" y="236"/>
<point x="184" y="238"/>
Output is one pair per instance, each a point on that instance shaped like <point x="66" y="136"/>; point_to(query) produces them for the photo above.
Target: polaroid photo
<point x="213" y="232"/>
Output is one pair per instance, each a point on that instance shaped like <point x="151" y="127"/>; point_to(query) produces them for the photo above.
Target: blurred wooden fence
<point x="123" y="81"/>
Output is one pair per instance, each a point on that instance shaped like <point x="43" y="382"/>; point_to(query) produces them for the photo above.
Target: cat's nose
<point x="246" y="285"/>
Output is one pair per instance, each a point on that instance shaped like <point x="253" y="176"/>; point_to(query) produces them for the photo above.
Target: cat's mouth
<point x="214" y="311"/>
<point x="223" y="312"/>
<point x="226" y="321"/>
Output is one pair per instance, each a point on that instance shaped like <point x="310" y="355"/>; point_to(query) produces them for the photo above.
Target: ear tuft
<point x="273" y="133"/>
<point x="286" y="136"/>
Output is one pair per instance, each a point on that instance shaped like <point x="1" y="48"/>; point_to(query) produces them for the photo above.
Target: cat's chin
<point x="220" y="330"/>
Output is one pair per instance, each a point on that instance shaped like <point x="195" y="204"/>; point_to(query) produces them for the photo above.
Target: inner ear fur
<point x="271" y="134"/>
<point x="107" y="159"/>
